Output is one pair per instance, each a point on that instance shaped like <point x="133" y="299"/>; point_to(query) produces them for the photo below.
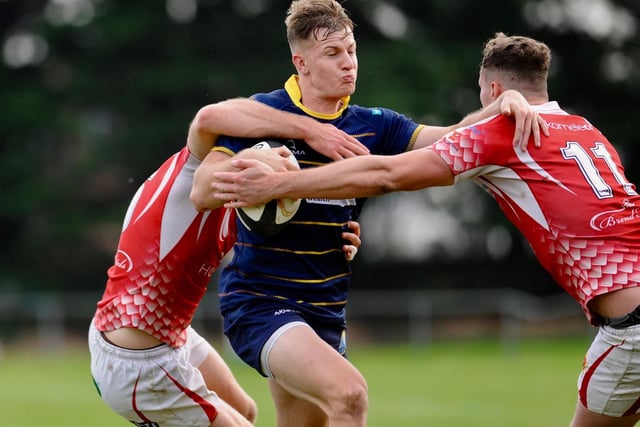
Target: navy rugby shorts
<point x="251" y="325"/>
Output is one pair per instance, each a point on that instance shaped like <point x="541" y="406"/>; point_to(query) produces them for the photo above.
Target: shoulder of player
<point x="373" y="112"/>
<point x="497" y="123"/>
<point x="274" y="98"/>
<point x="377" y="116"/>
<point x="494" y="130"/>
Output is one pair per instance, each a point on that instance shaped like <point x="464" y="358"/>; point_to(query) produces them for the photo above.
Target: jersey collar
<point x="293" y="90"/>
<point x="550" y="107"/>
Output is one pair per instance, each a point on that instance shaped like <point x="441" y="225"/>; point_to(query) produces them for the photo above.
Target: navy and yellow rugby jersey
<point x="304" y="266"/>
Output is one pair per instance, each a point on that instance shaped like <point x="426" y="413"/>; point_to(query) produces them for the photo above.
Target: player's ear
<point x="496" y="89"/>
<point x="299" y="63"/>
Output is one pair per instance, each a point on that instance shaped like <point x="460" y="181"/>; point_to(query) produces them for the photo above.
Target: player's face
<point x="331" y="64"/>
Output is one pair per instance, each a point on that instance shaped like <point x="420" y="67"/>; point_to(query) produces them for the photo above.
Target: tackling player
<point x="149" y="365"/>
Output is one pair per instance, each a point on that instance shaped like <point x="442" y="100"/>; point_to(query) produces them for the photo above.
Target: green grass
<point x="446" y="385"/>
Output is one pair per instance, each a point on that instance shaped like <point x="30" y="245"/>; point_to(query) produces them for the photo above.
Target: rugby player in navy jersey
<point x="283" y="297"/>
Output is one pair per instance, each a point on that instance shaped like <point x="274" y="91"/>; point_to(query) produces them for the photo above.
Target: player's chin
<point x="347" y="88"/>
<point x="350" y="89"/>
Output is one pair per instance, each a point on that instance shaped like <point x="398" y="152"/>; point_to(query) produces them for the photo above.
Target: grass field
<point x="446" y="385"/>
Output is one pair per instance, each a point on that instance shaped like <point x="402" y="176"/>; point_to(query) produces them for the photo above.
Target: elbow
<point x="204" y="116"/>
<point x="204" y="201"/>
<point x="197" y="200"/>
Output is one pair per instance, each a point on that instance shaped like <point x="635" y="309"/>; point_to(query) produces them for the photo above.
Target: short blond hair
<point x="316" y="18"/>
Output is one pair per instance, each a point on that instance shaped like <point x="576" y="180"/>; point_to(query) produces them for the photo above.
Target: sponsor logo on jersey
<point x="341" y="202"/>
<point x="570" y="127"/>
<point x="608" y="219"/>
<point x="297" y="152"/>
<point x="123" y="261"/>
<point x="207" y="270"/>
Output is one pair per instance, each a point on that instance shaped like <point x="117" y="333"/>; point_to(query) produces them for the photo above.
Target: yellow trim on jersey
<point x="261" y="294"/>
<point x="327" y="224"/>
<point x="293" y="89"/>
<point x="224" y="150"/>
<point x="303" y="162"/>
<point x="289" y="251"/>
<point x="305" y="281"/>
<point x="412" y="142"/>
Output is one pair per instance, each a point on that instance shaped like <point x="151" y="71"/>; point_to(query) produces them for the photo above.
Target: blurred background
<point x="95" y="94"/>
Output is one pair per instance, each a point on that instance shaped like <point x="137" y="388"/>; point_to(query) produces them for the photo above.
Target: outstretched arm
<point x="356" y="177"/>
<point x="245" y="118"/>
<point x="509" y="103"/>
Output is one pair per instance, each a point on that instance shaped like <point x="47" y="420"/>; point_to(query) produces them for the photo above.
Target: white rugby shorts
<point x="161" y="386"/>
<point x="609" y="383"/>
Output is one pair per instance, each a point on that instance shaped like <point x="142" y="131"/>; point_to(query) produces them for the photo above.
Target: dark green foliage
<point x="82" y="129"/>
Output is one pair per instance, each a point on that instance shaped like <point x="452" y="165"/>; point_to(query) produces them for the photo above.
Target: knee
<point x="356" y="402"/>
<point x="353" y="399"/>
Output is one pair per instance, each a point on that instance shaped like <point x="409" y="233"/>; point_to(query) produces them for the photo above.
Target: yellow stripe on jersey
<point x="278" y="297"/>
<point x="290" y="251"/>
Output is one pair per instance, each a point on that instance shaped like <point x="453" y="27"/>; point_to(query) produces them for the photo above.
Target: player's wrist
<point x="308" y="127"/>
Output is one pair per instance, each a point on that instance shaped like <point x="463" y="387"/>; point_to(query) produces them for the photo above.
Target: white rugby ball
<point x="271" y="217"/>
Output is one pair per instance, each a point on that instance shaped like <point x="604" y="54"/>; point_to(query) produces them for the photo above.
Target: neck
<point x="316" y="102"/>
<point x="537" y="99"/>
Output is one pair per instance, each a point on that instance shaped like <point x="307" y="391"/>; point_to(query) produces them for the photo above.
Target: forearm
<point x="478" y="115"/>
<point x="245" y="118"/>
<point x="359" y="177"/>
<point x="367" y="176"/>
<point x="265" y="122"/>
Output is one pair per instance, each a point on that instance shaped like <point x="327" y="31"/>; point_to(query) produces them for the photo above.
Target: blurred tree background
<point x="95" y="94"/>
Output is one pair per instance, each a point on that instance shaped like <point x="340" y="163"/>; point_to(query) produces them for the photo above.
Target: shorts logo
<point x="283" y="311"/>
<point x="146" y="424"/>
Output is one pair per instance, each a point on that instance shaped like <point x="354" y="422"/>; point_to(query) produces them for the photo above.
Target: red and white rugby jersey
<point x="166" y="256"/>
<point x="569" y="198"/>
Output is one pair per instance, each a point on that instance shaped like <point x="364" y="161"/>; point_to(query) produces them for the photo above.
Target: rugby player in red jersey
<point x="149" y="365"/>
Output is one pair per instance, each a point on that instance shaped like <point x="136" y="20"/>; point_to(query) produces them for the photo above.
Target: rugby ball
<point x="270" y="218"/>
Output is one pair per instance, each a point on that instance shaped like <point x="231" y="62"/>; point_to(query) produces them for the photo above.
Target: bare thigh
<point x="585" y="418"/>
<point x="292" y="411"/>
<point x="308" y="368"/>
